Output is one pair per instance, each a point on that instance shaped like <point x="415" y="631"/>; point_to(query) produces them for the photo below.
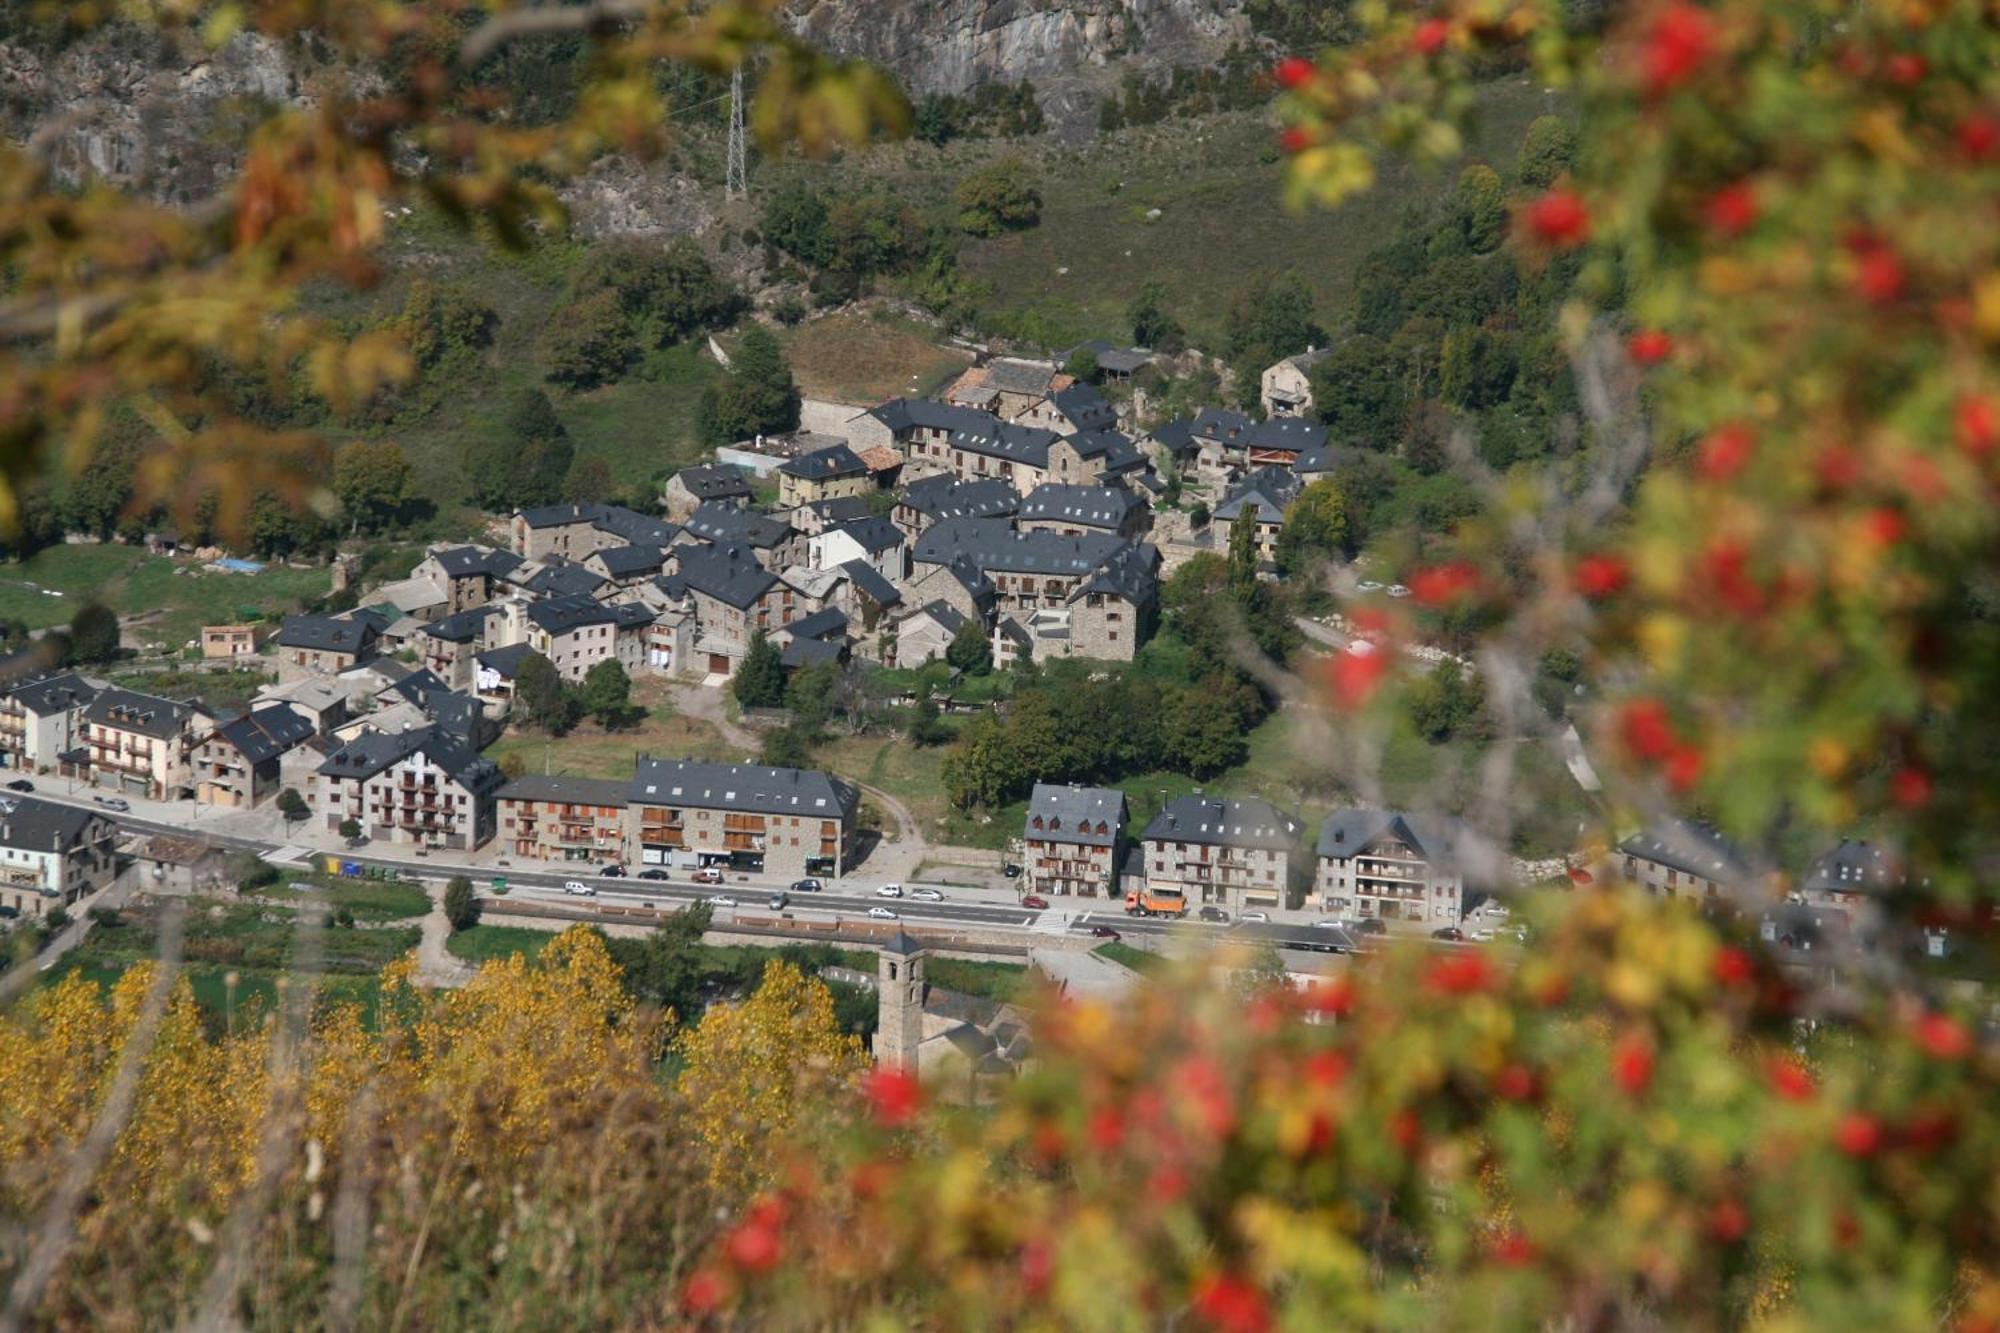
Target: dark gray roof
<point x="635" y="528"/>
<point x="870" y="581"/>
<point x="464" y="627"/>
<point x="1286" y="433"/>
<point x="874" y="534"/>
<point x="563" y="578"/>
<point x="1132" y="573"/>
<point x="58" y="693"/>
<point x="819" y="625"/>
<point x="1107" y="507"/>
<point x="145" y="714"/>
<point x="419" y="685"/>
<point x="265" y="733"/>
<point x="721" y="523"/>
<point x="570" y="791"/>
<point x="1856" y="866"/>
<point x="1006" y="441"/>
<point x="836" y="460"/>
<point x="1219" y="423"/>
<point x="330" y="634"/>
<point x="1320" y="460"/>
<point x="460" y="562"/>
<point x="901" y="415"/>
<point x="556" y="516"/>
<point x="811" y="652"/>
<point x="1112" y="358"/>
<point x="1013" y="375"/>
<point x="32" y="825"/>
<point x="1248" y="822"/>
<point x="1264" y="492"/>
<point x="1092" y="816"/>
<point x="902" y="944"/>
<point x="945" y="496"/>
<point x="746" y="788"/>
<point x="1691" y="848"/>
<point x="715" y="481"/>
<point x="1439" y="840"/>
<point x="992" y="544"/>
<point x="506" y="660"/>
<point x="560" y="615"/>
<point x="1084" y="407"/>
<point x="840" y="509"/>
<point x="945" y="614"/>
<point x="728" y="573"/>
<point x="1176" y="436"/>
<point x="456" y="714"/>
<point x="374" y="751"/>
<point x="624" y="562"/>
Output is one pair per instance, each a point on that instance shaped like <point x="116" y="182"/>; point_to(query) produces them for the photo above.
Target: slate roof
<point x="1219" y="423"/>
<point x="506" y="660"/>
<point x="373" y="752"/>
<point x="1856" y="866"/>
<point x="561" y="515"/>
<point x="1249" y="823"/>
<point x="1176" y="436"/>
<point x="464" y="627"/>
<point x="870" y="581"/>
<point x="143" y="714"/>
<point x="720" y="523"/>
<point x="1014" y="375"/>
<point x="457" y="714"/>
<point x="1319" y="460"/>
<point x="1106" y="507"/>
<point x="948" y="617"/>
<point x="1348" y="832"/>
<point x="840" y="509"/>
<point x="992" y="544"/>
<point x="874" y="535"/>
<point x="1264" y="492"/>
<point x="745" y="788"/>
<point x="819" y="625"/>
<point x="1285" y="433"/>
<point x="568" y="790"/>
<point x="635" y="528"/>
<point x="31" y="825"/>
<point x="836" y="460"/>
<point x="265" y="733"/>
<point x="560" y="615"/>
<point x="626" y="562"/>
<point x="728" y="573"/>
<point x="945" y="496"/>
<point x="715" y="481"/>
<point x="53" y="694"/>
<point x="901" y="415"/>
<point x="463" y="562"/>
<point x="419" y="685"/>
<point x="811" y="652"/>
<point x="563" y="578"/>
<point x="1132" y="573"/>
<point x="1691" y="848"/>
<point x="1084" y="407"/>
<point x="1007" y="441"/>
<point x="330" y="634"/>
<point x="1092" y="816"/>
<point x="1111" y="358"/>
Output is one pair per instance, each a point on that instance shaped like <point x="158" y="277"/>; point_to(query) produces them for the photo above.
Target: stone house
<point x="1262" y="497"/>
<point x="774" y="540"/>
<point x="41" y="720"/>
<point x="752" y="818"/>
<point x="567" y="530"/>
<point x="824" y="474"/>
<point x="1071" y="837"/>
<point x="229" y="643"/>
<point x="693" y="487"/>
<point x="1082" y="596"/>
<point x="448" y="647"/>
<point x="925" y="634"/>
<point x="1011" y="388"/>
<point x="875" y="542"/>
<point x="936" y="498"/>
<point x="1236" y="854"/>
<point x="1855" y="872"/>
<point x="52" y="855"/>
<point x="469" y="575"/>
<point x="1070" y="410"/>
<point x="1097" y="457"/>
<point x="564" y="818"/>
<point x="238" y="765"/>
<point x="138" y="744"/>
<point x="422" y="788"/>
<point x="1074" y="510"/>
<point x="1680" y="858"/>
<point x="734" y="596"/>
<point x="1287" y="385"/>
<point x="1395" y="867"/>
<point x="329" y="645"/>
<point x="626" y="566"/>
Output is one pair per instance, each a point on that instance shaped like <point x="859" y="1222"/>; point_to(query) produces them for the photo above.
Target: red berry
<point x="754" y="1248"/>
<point x="1296" y="72"/>
<point x="1680" y="41"/>
<point x="1683" y="767"/>
<point x="1632" y="1064"/>
<point x="1878" y="275"/>
<point x="1333" y="997"/>
<point x="1559" y="219"/>
<point x="704" y="1292"/>
<point x="1405" y="1132"/>
<point x="1790" y="1080"/>
<point x="1905" y="68"/>
<point x="1355" y="676"/>
<point x="1431" y="35"/>
<point x="1441" y="585"/>
<point x="1725" y="565"/>
<point x="1294" y="139"/>
<point x="1327" y="1069"/>
<point x="1884" y="526"/>
<point x="1724" y="452"/>
<point x="1732" y="966"/>
<point x="1231" y="1304"/>
<point x="1600" y="576"/>
<point x="1733" y="209"/>
<point x="1107" y="1129"/>
<point x="1978" y="136"/>
<point x="1728" y="1222"/>
<point x="1942" y="1037"/>
<point x="1038" y="1265"/>
<point x="1858" y="1135"/>
<point x="1978" y="425"/>
<point x="1910" y="787"/>
<point x="1459" y="974"/>
<point x="1839" y="467"/>
<point x="893" y="1096"/>
<point x="1649" y="347"/>
<point x="1516" y="1083"/>
<point x="1511" y="1249"/>
<point x="1646" y="729"/>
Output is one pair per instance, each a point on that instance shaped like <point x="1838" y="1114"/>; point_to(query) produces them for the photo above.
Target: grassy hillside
<point x="176" y="596"/>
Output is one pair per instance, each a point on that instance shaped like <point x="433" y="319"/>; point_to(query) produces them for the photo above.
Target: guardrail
<point x="831" y="932"/>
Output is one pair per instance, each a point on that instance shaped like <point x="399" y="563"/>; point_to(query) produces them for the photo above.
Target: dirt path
<point x="706" y="705"/>
<point x="437" y="965"/>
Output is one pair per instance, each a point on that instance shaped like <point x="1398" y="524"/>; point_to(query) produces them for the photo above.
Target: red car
<point x="1036" y="901"/>
<point x="1104" y="933"/>
<point x="709" y="875"/>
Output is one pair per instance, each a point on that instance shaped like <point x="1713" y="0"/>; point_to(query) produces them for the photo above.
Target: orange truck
<point x="1145" y="902"/>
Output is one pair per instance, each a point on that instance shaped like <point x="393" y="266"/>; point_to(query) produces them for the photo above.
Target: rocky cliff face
<point x="1069" y="48"/>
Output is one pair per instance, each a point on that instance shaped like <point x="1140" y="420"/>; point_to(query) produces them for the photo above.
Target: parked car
<point x="1482" y="936"/>
<point x="118" y="803"/>
<point x="20" y="784"/>
<point x="1036" y="901"/>
<point x="719" y="900"/>
<point x="1329" y="923"/>
<point x="612" y="871"/>
<point x="1213" y="913"/>
<point x="654" y="873"/>
<point x="927" y="895"/>
<point x="579" y="888"/>
<point x="707" y="875"/>
<point x="1011" y="871"/>
<point x="1104" y="933"/>
<point x="805" y="886"/>
<point x="889" y="891"/>
<point x="1254" y="918"/>
<point x="779" y="902"/>
<point x="882" y="913"/>
<point x="1367" y="925"/>
<point x="1452" y="933"/>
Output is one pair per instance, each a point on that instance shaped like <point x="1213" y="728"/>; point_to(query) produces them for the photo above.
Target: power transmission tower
<point x="737" y="186"/>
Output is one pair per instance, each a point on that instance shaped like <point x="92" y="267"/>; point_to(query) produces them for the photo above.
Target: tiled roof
<point x="53" y="694"/>
<point x="265" y="733"/>
<point x="746" y="788"/>
<point x="945" y="496"/>
<point x="825" y="464"/>
<point x="1107" y="507"/>
<point x="1250" y="822"/>
<point x="1093" y="816"/>
<point x="715" y="481"/>
<point x="142" y="714"/>
<point x="568" y="790"/>
<point x="1691" y="848"/>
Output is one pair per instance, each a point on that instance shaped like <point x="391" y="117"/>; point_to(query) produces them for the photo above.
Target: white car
<point x="883" y="913"/>
<point x="927" y="895"/>
<point x="1480" y="936"/>
<point x="1254" y="918"/>
<point x="889" y="891"/>
<point x="1497" y="910"/>
<point x="719" y="900"/>
<point x="1369" y="585"/>
<point x="1329" y="923"/>
<point x="1398" y="590"/>
<point x="579" y="888"/>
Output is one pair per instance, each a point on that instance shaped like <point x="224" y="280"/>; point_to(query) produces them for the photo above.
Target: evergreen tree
<point x="541" y="697"/>
<point x="525" y="461"/>
<point x="461" y="904"/>
<point x="607" y="693"/>
<point x="1243" y="554"/>
<point x="970" y="650"/>
<point x="760" y="681"/>
<point x="93" y="634"/>
<point x="759" y="397"/>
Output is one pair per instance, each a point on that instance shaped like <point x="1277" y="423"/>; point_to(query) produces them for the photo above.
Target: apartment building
<point x="1235" y="854"/>
<point x="41" y="720"/>
<point x="51" y="855"/>
<point x="138" y="744"/>
<point x="1070" y="839"/>
<point x="1396" y="867"/>
<point x="469" y="576"/>
<point x="564" y="818"/>
<point x="423" y="787"/>
<point x="782" y="821"/>
<point x="823" y="474"/>
<point x="238" y="765"/>
<point x="1680" y="858"/>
